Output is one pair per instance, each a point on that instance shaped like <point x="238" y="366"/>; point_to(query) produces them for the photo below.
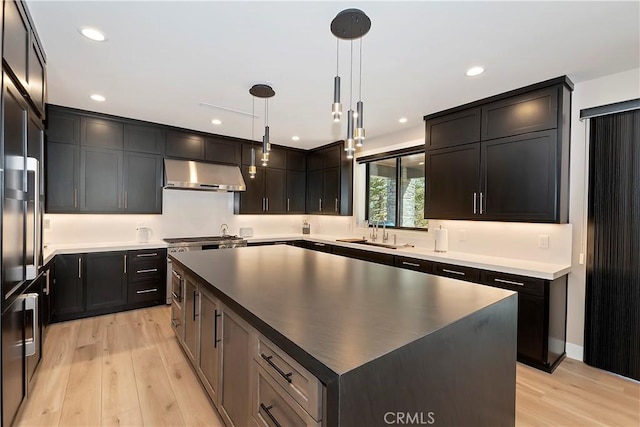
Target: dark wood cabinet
<point x="413" y="264"/>
<point x="142" y="183"/>
<point x="377" y="257"/>
<point x="454" y="129"/>
<point x="329" y="181"/>
<point x="529" y="112"/>
<point x="277" y="158"/>
<point x="519" y="171"/>
<point x="101" y="173"/>
<point x="106" y="278"/>
<point x="296" y="185"/>
<point x="296" y="160"/>
<point x="251" y="201"/>
<point x="453" y="182"/>
<point x="457" y="272"/>
<point x="101" y="133"/>
<point x="146" y="272"/>
<point x="15" y="50"/>
<point x="68" y="287"/>
<point x="63" y="127"/>
<point x="144" y="139"/>
<point x="519" y="177"/>
<point x="275" y="190"/>
<point x="185" y="145"/>
<point x="63" y="177"/>
<point x="37" y="77"/>
<point x="222" y="150"/>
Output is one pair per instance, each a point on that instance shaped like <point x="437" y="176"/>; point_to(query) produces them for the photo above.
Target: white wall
<point x="592" y="93"/>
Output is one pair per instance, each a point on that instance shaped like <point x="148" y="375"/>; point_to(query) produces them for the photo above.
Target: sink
<point x="386" y="245"/>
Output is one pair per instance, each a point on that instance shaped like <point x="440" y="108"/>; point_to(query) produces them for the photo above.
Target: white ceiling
<point x="164" y="58"/>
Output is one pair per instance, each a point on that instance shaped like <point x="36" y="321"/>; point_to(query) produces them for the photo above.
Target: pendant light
<point x="350" y="24"/>
<point x="265" y="92"/>
<point x="252" y="168"/>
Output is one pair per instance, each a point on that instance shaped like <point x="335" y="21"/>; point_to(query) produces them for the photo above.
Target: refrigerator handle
<point x="31" y="303"/>
<point x="32" y="266"/>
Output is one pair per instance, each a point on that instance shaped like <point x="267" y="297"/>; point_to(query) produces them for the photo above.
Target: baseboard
<point x="575" y="351"/>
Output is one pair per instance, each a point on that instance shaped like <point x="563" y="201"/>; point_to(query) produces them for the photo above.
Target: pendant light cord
<point x="337" y="56"/>
<point x="360" y="81"/>
<point x="351" y="82"/>
<point x="253" y="118"/>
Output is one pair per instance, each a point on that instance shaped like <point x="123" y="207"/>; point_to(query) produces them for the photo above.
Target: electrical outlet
<point x="543" y="241"/>
<point x="462" y="235"/>
<point x="46" y="224"/>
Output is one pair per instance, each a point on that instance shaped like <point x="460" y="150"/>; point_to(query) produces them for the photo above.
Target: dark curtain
<point x="612" y="316"/>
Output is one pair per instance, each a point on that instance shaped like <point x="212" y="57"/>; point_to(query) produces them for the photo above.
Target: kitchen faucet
<point x="224" y="230"/>
<point x="385" y="235"/>
<point x="374" y="232"/>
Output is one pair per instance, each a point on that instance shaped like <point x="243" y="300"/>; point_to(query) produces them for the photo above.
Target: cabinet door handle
<point x="267" y="411"/>
<point x="175" y="296"/>
<point x="215" y="328"/>
<point x="75" y="197"/>
<point x="320" y="204"/>
<point x="459" y="273"/>
<point x="126" y="199"/>
<point x="174" y="323"/>
<point x="480" y="203"/>
<point x="145" y="255"/>
<point x="267" y="203"/>
<point x="319" y="244"/>
<point x="195" y="295"/>
<point x="412" y="264"/>
<point x="263" y="209"/>
<point x="508" y="282"/>
<point x="119" y="199"/>
<point x="79" y="268"/>
<point x="475" y="202"/>
<point x="336" y="204"/>
<point x="274" y="366"/>
<point x="148" y="270"/>
<point x="124" y="263"/>
<point x="288" y="209"/>
<point x="146" y="291"/>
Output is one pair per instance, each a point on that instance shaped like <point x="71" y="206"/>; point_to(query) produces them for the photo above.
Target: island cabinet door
<point x="190" y="318"/>
<point x="234" y="404"/>
<point x="210" y="343"/>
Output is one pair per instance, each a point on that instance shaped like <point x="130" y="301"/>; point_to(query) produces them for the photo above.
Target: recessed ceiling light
<point x="216" y="122"/>
<point x="402" y="120"/>
<point x="98" y="98"/>
<point x="295" y="138"/>
<point x="93" y="34"/>
<point x="474" y="71"/>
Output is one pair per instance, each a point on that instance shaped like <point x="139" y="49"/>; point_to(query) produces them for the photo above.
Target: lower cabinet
<point x="250" y="380"/>
<point x="95" y="283"/>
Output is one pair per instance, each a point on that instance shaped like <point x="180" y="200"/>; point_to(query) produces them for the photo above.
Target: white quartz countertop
<point x="52" y="250"/>
<point x="520" y="267"/>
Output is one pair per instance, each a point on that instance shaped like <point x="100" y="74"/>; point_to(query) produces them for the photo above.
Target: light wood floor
<point x="127" y="369"/>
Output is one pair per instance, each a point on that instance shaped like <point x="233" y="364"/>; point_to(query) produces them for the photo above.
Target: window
<point x="395" y="191"/>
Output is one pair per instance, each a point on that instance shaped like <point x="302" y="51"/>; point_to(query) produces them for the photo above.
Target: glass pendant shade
<point x="359" y="131"/>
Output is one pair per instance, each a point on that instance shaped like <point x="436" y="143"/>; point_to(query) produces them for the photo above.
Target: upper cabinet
<point x="144" y="139"/>
<point x="101" y="133"/>
<point x="23" y="54"/>
<point x="185" y="145"/>
<point x="223" y="150"/>
<point x="329" y="181"/>
<point x="505" y="158"/>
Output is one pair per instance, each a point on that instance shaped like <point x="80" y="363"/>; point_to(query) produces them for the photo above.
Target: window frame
<point x="397" y="154"/>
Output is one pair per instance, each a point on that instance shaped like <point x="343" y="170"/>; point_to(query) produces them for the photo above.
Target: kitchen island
<point x="385" y="345"/>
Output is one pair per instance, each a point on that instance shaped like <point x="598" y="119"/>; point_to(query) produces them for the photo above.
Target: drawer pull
<point x="267" y="411"/>
<point x="459" y="273"/>
<point x="412" y="264"/>
<point x="274" y="366"/>
<point x="148" y="270"/>
<point x="174" y="323"/>
<point x="319" y="244"/>
<point x="145" y="255"/>
<point x="508" y="282"/>
<point x="146" y="291"/>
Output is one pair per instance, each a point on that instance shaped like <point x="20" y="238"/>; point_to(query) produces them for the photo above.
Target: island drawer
<point x="414" y="264"/>
<point x="299" y="383"/>
<point x="272" y="406"/>
<point x="457" y="272"/>
<point x="514" y="282"/>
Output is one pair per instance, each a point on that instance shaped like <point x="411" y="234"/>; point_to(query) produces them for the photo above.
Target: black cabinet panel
<point x="296" y="160"/>
<point x="277" y="158"/>
<point x="296" y="184"/>
<point x="100" y="180"/>
<point x="63" y="171"/>
<point x="531" y="321"/>
<point x="246" y="153"/>
<point x="145" y="292"/>
<point x="314" y="191"/>
<point x="457" y="272"/>
<point x="106" y="278"/>
<point x="514" y="282"/>
<point x="63" y="127"/>
<point x="454" y="129"/>
<point x="364" y="255"/>
<point x="315" y="161"/>
<point x="37" y="77"/>
<point x="414" y="264"/>
<point x="252" y="200"/>
<point x="321" y="247"/>
<point x="144" y="139"/>
<point x="452" y="180"/>
<point x="221" y="150"/>
<point x="331" y="191"/>
<point x="142" y="183"/>
<point x="101" y="133"/>
<point x="67" y="289"/>
<point x="333" y="156"/>
<point x="275" y="190"/>
<point x="16" y="40"/>
<point x="185" y="145"/>
<point x="520" y="177"/>
<point x="530" y="112"/>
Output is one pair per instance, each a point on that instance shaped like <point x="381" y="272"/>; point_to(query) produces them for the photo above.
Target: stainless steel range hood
<point x="190" y="175"/>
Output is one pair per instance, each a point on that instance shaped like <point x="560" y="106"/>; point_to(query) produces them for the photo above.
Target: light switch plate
<point x="46" y="224"/>
<point x="543" y="241"/>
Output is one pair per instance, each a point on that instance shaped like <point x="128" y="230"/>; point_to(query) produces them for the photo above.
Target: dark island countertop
<point x="334" y="314"/>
